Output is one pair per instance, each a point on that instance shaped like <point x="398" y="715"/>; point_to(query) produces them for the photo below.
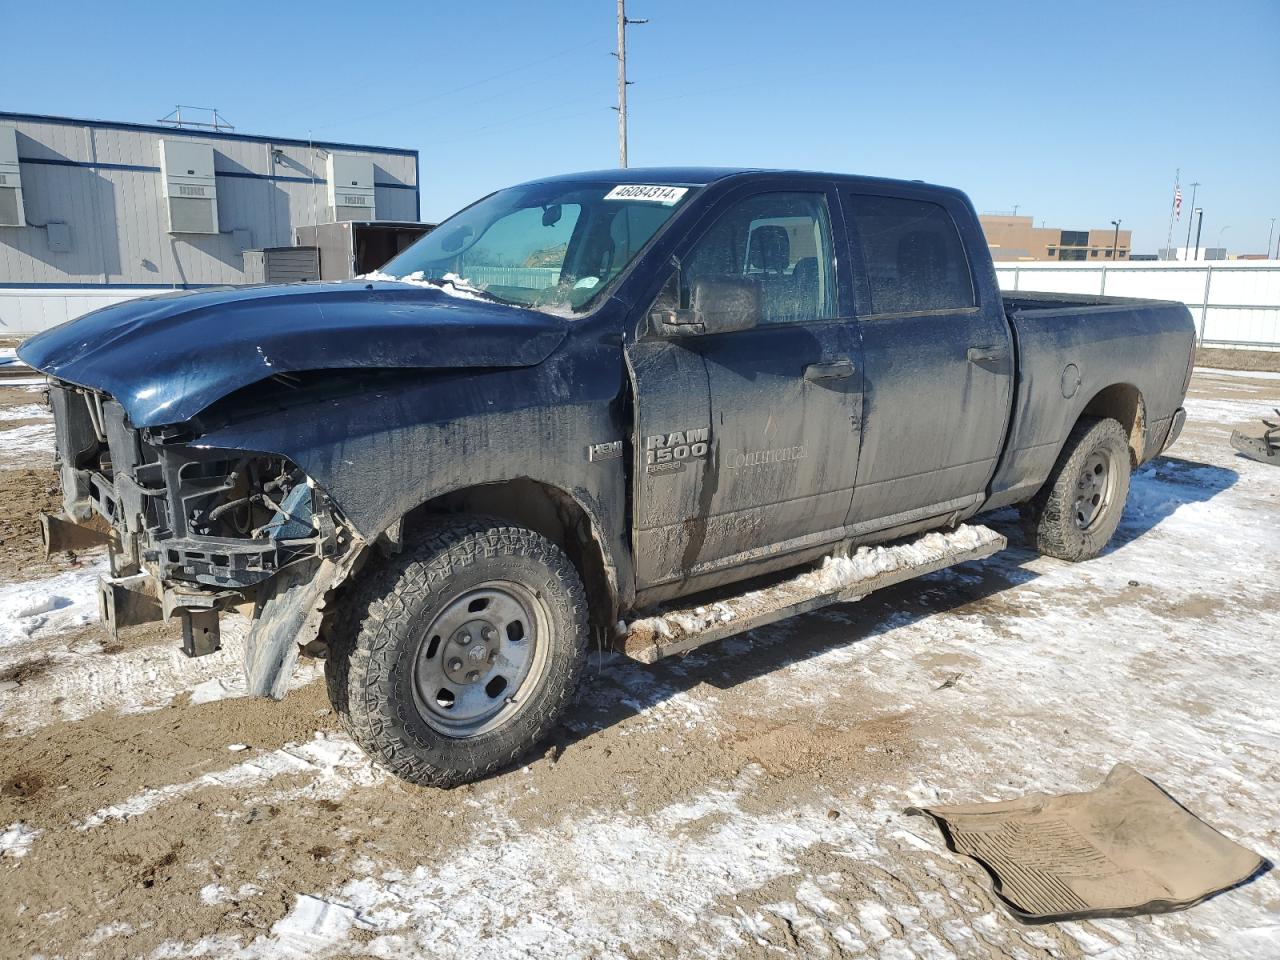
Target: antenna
<point x="213" y="120"/>
<point x="623" y="83"/>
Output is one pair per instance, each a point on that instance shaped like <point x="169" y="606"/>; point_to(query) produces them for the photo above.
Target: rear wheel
<point x="1077" y="511"/>
<point x="469" y="648"/>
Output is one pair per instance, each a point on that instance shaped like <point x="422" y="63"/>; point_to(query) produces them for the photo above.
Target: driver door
<point x="746" y="441"/>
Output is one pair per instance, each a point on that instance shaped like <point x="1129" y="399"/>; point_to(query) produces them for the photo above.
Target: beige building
<point x="1018" y="238"/>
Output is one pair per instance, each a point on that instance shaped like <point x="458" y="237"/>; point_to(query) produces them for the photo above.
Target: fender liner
<point x="288" y="614"/>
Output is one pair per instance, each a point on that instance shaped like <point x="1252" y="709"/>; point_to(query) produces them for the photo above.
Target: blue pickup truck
<point x="574" y="402"/>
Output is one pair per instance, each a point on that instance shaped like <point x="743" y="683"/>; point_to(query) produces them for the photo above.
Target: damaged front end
<point x="192" y="532"/>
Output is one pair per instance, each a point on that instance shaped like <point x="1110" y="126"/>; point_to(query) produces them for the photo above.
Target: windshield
<point x="550" y="246"/>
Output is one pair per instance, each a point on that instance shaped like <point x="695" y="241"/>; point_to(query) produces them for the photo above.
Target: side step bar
<point x="840" y="579"/>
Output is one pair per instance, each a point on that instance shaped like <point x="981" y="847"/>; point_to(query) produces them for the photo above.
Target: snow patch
<point x="52" y="605"/>
<point x="16" y="840"/>
<point x="331" y="758"/>
<point x="1244" y="374"/>
<point x="838" y="574"/>
<point x="26" y="411"/>
<point x="450" y="283"/>
<point x="29" y="438"/>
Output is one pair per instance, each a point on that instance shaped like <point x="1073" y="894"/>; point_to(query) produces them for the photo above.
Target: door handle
<point x="987" y="356"/>
<point x="835" y="370"/>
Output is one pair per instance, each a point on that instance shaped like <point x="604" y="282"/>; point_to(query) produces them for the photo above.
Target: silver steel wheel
<point x="1095" y="489"/>
<point x="479" y="657"/>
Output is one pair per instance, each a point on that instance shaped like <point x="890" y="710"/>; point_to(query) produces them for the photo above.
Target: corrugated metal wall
<point x="104" y="181"/>
<point x="1235" y="303"/>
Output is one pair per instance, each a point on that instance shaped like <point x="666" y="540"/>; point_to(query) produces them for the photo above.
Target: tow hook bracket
<point x="127" y="602"/>
<point x="61" y="533"/>
<point x="201" y="635"/>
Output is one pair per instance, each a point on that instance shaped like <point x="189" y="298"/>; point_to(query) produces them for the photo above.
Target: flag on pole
<point x="1177" y="203"/>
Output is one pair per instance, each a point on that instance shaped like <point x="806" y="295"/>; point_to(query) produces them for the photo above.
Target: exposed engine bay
<point x="190" y="530"/>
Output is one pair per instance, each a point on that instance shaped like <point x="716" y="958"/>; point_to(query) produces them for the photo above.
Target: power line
<point x="459" y="89"/>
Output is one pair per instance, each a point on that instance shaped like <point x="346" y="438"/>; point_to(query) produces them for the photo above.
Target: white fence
<point x="26" y="310"/>
<point x="1235" y="303"/>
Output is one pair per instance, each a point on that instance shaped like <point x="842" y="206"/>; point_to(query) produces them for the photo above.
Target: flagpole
<point x="1173" y="206"/>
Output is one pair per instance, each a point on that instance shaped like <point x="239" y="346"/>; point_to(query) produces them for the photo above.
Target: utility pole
<point x="1193" y="212"/>
<point x="622" y="80"/>
<point x="1199" y="215"/>
<point x="1270" y="233"/>
<point x="1115" y="243"/>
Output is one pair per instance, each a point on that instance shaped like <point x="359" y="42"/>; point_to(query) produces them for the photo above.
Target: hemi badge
<point x="610" y="450"/>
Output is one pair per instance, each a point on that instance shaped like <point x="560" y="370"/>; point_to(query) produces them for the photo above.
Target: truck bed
<point x="1075" y="354"/>
<point x="1020" y="301"/>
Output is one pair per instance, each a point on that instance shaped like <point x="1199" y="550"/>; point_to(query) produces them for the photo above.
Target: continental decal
<point x="738" y="459"/>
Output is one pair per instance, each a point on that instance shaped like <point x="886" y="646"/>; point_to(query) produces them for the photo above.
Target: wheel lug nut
<point x="489" y="633"/>
<point x="473" y="676"/>
<point x="455" y="664"/>
<point x="493" y="656"/>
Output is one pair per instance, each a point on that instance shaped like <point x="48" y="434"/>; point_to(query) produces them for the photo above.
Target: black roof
<point x="702" y="176"/>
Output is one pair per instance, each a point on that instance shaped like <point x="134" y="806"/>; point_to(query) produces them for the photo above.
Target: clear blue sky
<point x="1077" y="112"/>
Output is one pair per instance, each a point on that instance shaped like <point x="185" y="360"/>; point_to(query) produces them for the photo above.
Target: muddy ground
<point x="744" y="801"/>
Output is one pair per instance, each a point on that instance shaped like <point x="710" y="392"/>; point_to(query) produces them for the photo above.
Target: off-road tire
<point x="370" y="670"/>
<point x="1058" y="532"/>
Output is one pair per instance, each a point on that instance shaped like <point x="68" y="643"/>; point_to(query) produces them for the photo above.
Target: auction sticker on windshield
<point x="647" y="191"/>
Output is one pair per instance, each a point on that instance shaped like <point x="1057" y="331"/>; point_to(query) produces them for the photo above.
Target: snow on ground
<point x="51" y="606"/>
<point x="25" y="411"/>
<point x="27" y="438"/>
<point x="80" y="677"/>
<point x="16" y="840"/>
<point x="334" y="760"/>
<point x="782" y="760"/>
<point x="1238" y="374"/>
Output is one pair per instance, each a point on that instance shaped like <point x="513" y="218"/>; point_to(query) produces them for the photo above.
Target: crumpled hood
<point x="166" y="358"/>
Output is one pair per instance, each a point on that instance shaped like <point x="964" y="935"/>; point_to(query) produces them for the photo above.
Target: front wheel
<point x="469" y="647"/>
<point x="1078" y="509"/>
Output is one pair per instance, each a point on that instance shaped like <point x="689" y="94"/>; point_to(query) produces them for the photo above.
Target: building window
<point x="1093" y="253"/>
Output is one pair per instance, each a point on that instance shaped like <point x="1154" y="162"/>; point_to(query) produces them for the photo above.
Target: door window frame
<point x="857" y="258"/>
<point x="840" y="250"/>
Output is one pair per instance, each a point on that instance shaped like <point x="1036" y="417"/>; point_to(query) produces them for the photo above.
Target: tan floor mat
<point x="1122" y="849"/>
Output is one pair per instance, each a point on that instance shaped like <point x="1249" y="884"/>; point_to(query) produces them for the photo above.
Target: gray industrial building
<point x="95" y="211"/>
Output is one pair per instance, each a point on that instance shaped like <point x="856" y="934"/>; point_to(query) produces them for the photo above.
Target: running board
<point x="840" y="579"/>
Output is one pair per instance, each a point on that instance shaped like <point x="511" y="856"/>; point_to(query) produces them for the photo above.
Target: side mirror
<point x="719" y="305"/>
<point x="726" y="304"/>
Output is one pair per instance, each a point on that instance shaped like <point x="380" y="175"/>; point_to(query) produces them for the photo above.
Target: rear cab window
<point x="912" y="255"/>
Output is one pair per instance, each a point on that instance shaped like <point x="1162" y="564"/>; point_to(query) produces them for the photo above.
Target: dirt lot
<point x="1255" y="360"/>
<point x="744" y="801"/>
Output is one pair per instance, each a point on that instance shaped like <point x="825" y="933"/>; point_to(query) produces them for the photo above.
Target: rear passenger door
<point x="937" y="360"/>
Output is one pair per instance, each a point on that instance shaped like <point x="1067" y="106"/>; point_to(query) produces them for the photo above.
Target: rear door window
<point x="912" y="253"/>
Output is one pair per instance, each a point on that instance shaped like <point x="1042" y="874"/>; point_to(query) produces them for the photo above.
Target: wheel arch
<point x="1124" y="403"/>
<point x="546" y="509"/>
